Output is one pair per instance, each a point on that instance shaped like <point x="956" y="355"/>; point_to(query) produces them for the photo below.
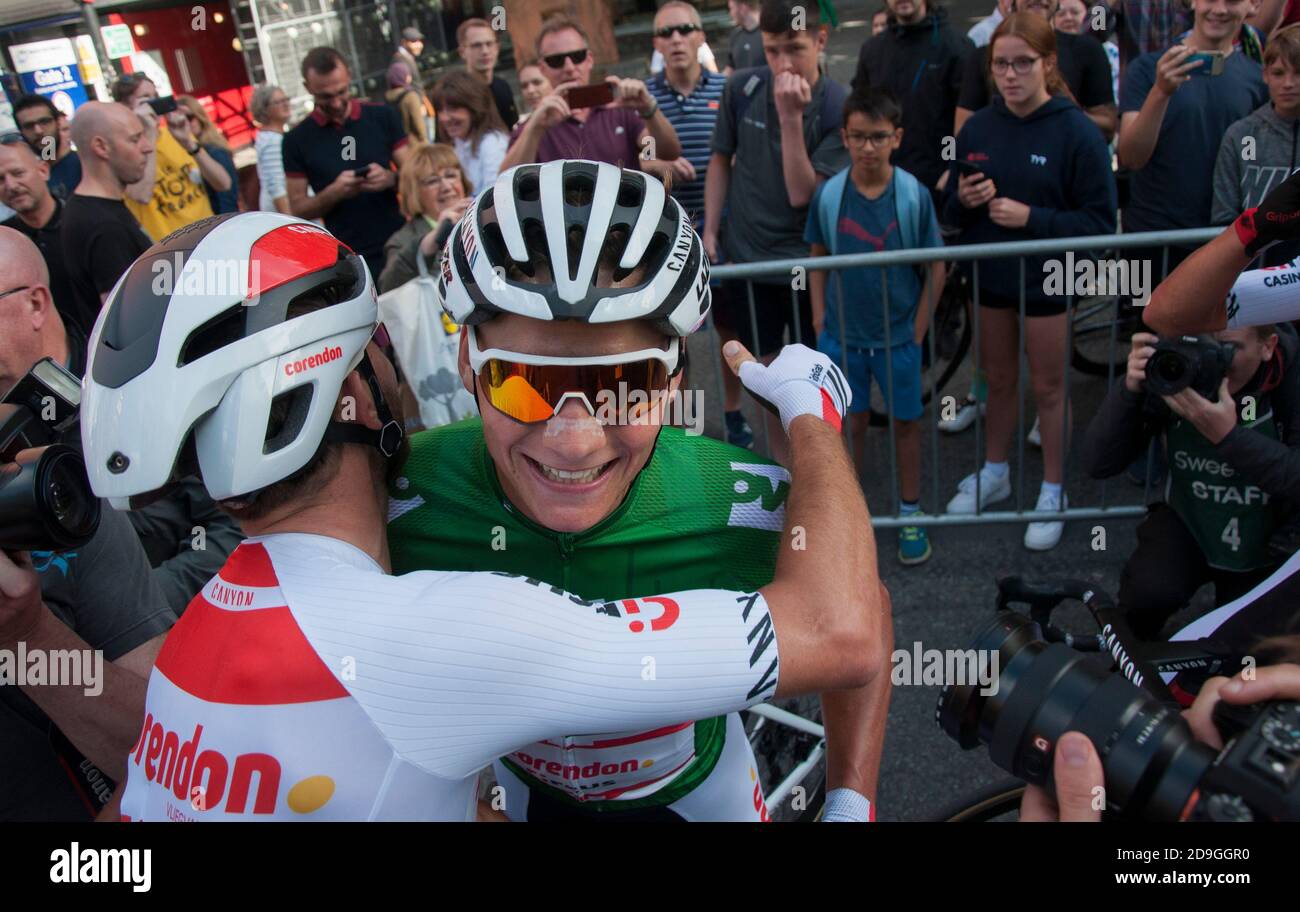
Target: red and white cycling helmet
<point x="195" y="343"/>
<point x="560" y="215"/>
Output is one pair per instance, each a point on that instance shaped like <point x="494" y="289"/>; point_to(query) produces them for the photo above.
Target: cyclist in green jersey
<point x="594" y="496"/>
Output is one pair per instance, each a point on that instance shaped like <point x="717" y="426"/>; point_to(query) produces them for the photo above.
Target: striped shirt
<point x="693" y="117"/>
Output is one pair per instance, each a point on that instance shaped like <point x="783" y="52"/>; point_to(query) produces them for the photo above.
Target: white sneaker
<point x="1043" y="536"/>
<point x="1034" y="437"/>
<point x="964" y="418"/>
<point x="991" y="491"/>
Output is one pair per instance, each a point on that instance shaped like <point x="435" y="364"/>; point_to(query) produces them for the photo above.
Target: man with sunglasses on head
<point x="570" y="478"/>
<point x="616" y="132"/>
<point x="354" y="694"/>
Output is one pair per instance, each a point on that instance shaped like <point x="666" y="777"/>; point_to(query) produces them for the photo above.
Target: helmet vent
<point x="287" y="416"/>
<point x="226" y="328"/>
<point x="630" y="194"/>
<point x="579" y="191"/>
<point x="529" y="189"/>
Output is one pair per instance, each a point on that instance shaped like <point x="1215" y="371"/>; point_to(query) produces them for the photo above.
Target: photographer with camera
<point x="1227" y="409"/>
<point x="184" y="535"/>
<point x="104" y="602"/>
<point x="1077" y="770"/>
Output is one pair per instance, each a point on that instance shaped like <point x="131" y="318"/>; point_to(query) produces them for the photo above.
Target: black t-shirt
<point x="505" y="100"/>
<point x="1080" y="58"/>
<point x="49" y="239"/>
<point x="320" y="151"/>
<point x="745" y="49"/>
<point x="101" y="238"/>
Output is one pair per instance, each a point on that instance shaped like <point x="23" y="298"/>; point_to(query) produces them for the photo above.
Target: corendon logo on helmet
<point x="331" y="353"/>
<point x="204" y="778"/>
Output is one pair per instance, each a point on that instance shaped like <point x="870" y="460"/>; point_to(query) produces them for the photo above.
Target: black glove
<point x="1276" y="218"/>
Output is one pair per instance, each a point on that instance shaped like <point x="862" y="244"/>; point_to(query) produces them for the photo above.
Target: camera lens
<point x="1168" y="372"/>
<point x="1151" y="762"/>
<point x="46" y="503"/>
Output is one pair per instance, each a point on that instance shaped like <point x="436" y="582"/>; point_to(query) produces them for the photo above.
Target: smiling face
<point x="331" y="91"/>
<point x="440" y="188"/>
<point x="454" y="121"/>
<point x="1219" y="20"/>
<point x="571" y="472"/>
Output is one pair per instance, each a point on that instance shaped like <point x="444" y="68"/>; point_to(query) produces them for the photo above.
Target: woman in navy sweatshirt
<point x="1030" y="165"/>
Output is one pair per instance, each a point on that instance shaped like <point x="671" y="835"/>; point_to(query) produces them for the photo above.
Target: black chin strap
<point x="388" y="439"/>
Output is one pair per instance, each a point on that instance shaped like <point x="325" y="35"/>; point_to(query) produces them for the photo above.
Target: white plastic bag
<point x="426" y="349"/>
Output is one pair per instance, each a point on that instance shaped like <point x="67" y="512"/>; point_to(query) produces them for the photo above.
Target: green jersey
<point x="701" y="514"/>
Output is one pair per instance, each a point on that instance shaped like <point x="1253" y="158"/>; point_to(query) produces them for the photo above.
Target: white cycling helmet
<point x="544" y="214"/>
<point x="194" y="344"/>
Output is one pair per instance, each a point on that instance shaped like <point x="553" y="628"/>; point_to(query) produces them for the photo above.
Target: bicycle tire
<point x="1128" y="322"/>
<point x="984" y="804"/>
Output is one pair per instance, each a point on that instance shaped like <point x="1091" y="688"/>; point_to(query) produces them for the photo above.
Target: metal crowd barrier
<point x="1089" y="247"/>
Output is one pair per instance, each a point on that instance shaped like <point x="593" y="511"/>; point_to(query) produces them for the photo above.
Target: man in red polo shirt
<point x="343" y="152"/>
<point x="618" y="133"/>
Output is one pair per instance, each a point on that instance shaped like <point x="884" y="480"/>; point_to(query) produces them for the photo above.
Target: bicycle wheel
<point x="986" y="804"/>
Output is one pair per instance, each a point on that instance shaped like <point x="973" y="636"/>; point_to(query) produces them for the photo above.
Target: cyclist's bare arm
<point x="855" y="720"/>
<point x="826" y="599"/>
<point x="1192" y="298"/>
<point x="1208" y="290"/>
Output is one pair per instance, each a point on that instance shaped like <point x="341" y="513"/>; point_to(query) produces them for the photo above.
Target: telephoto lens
<point x="46" y="503"/>
<point x="1152" y="763"/>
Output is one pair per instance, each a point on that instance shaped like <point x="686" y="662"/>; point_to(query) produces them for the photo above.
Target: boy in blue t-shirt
<point x="873" y="206"/>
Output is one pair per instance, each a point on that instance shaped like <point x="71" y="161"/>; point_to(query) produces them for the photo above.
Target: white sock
<point x="1048" y="488"/>
<point x="997" y="469"/>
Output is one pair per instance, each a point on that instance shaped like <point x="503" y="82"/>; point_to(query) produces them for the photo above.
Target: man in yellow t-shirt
<point x="172" y="193"/>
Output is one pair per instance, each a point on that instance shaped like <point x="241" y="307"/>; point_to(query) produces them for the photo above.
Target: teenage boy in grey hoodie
<point x="1259" y="151"/>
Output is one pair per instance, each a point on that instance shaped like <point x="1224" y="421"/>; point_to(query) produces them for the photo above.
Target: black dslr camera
<point x="46" y="503"/>
<point x="1200" y="362"/>
<point x="1154" y="768"/>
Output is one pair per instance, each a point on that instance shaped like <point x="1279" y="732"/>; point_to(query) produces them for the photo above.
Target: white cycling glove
<point x="801" y="381"/>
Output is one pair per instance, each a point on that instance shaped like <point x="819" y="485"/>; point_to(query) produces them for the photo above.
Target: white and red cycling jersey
<point x="304" y="683"/>
<point x="1267" y="295"/>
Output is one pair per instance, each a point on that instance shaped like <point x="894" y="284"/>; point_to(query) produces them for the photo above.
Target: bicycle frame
<point x="766" y="712"/>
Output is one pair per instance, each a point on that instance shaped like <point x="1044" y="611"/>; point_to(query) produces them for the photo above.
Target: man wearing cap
<point x="409" y="51"/>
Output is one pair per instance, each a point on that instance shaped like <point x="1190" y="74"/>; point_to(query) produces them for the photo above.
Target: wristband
<point x="1247" y="233"/>
<point x="843" y="805"/>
